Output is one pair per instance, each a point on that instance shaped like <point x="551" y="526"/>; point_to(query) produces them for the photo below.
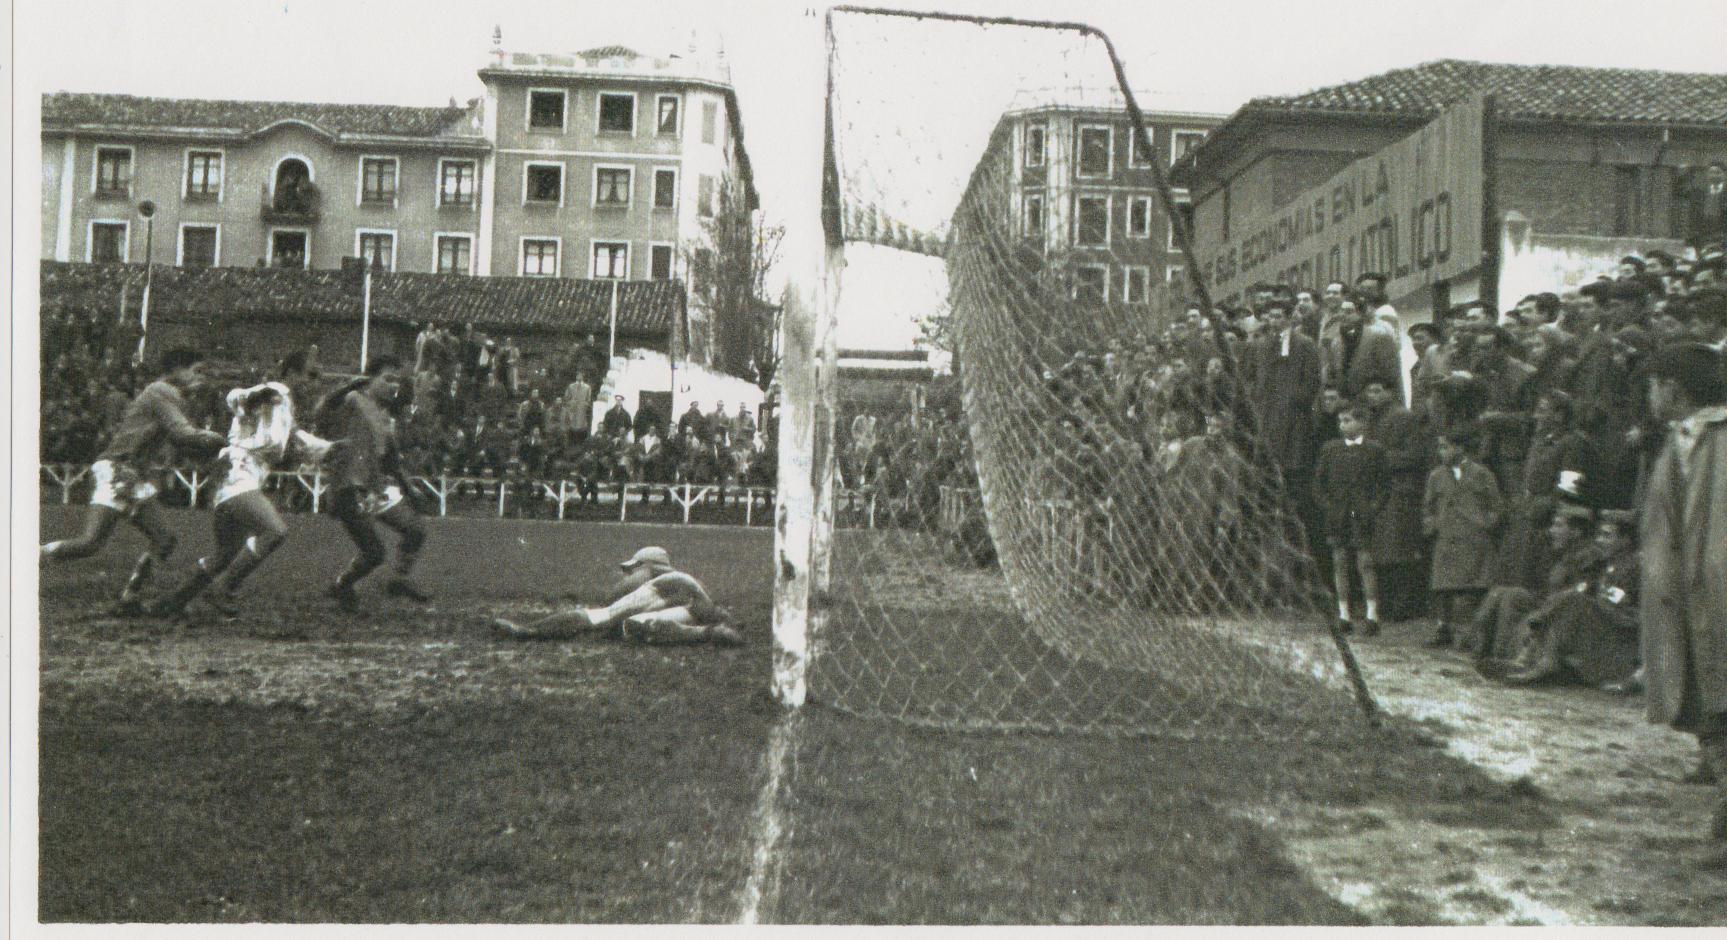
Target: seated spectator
<point x="1493" y="637"/>
<point x="1588" y="634"/>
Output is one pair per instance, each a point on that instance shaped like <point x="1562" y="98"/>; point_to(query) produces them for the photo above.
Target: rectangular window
<point x="1033" y="216"/>
<point x="661" y="258"/>
<point x="540" y="257"/>
<point x="706" y="187"/>
<point x="1095" y="144"/>
<point x="377" y="249"/>
<point x="1091" y="283"/>
<point x="665" y="189"/>
<point x="617" y="113"/>
<point x="710" y="121"/>
<point x="546" y="110"/>
<point x="456" y="182"/>
<point x="1092" y="221"/>
<point x="1035" y="145"/>
<point x="667" y="109"/>
<point x="611" y="260"/>
<point x="455" y="254"/>
<point x="1173" y="275"/>
<point x="203" y="175"/>
<point x="1182" y="143"/>
<point x="1137" y="154"/>
<point x="543" y="183"/>
<point x="1136" y="285"/>
<point x="1139" y="217"/>
<point x="113" y="171"/>
<point x="290" y="248"/>
<point x="612" y="186"/>
<point x="198" y="246"/>
<point x="378" y="181"/>
<point x="107" y="242"/>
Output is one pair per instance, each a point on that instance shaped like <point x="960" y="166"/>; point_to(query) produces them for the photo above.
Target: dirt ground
<point x="1629" y="836"/>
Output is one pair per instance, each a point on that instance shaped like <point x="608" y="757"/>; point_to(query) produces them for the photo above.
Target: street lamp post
<point x="147" y="210"/>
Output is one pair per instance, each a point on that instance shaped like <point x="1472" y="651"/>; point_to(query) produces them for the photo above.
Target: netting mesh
<point x="1076" y="530"/>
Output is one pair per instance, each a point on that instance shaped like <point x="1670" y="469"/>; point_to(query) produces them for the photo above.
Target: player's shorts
<point x="120" y="487"/>
<point x="376" y="502"/>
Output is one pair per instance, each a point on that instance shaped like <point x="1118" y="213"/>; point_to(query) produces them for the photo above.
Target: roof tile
<point x="71" y="109"/>
<point x="1563" y="92"/>
<point x="645" y="308"/>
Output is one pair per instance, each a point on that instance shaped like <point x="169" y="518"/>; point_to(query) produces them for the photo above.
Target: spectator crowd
<point x="472" y="413"/>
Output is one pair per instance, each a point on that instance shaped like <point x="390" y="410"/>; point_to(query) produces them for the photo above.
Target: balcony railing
<point x="292" y="204"/>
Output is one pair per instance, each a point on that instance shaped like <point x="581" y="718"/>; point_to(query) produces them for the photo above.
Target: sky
<point x="916" y="100"/>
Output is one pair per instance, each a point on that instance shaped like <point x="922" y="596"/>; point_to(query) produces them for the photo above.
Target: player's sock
<point x="596" y="615"/>
<point x="242" y="566"/>
<point x="1373" y="608"/>
<point x="139" y="578"/>
<point x="1342" y="609"/>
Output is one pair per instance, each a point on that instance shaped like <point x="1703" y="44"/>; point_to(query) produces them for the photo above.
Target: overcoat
<point x="1463" y="514"/>
<point x="1683" y="533"/>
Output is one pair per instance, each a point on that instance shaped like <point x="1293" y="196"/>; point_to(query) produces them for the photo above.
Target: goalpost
<point x="1078" y="533"/>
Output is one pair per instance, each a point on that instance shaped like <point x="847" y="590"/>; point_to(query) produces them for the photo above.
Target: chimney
<point x="498" y="44"/>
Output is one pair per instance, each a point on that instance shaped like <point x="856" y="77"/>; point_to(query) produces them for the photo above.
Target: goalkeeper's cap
<point x="652" y="555"/>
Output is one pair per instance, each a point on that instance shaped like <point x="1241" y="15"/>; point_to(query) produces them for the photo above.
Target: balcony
<point x="292" y="203"/>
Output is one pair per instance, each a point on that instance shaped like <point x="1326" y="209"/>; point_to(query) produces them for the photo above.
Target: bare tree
<point x="728" y="278"/>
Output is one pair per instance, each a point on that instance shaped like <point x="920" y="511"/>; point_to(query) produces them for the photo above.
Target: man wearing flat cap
<point x="1684" y="577"/>
<point x="654" y="603"/>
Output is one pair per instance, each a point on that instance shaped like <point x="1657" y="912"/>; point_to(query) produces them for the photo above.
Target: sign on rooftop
<point x="1412" y="211"/>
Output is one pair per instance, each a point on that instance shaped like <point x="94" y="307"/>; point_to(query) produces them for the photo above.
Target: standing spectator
<point x="579" y="399"/>
<point x="744" y="424"/>
<point x="421" y="341"/>
<point x="1707" y="208"/>
<point x="720" y="426"/>
<point x="1461" y="511"/>
<point x="1360" y="349"/>
<point x="531" y="413"/>
<point x="1684" y="540"/>
<point x="616" y="424"/>
<point x="1431" y="364"/>
<point x="1350" y="486"/>
<point x="692" y="421"/>
<point x="648" y="419"/>
<point x="1399" y="547"/>
<point x="510" y="364"/>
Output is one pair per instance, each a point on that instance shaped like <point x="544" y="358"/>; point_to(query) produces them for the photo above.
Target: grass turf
<point x="593" y="781"/>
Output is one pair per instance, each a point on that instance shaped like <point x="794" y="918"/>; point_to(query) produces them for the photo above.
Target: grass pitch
<point x="300" y="765"/>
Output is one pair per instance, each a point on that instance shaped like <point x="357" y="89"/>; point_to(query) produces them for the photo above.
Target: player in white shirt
<point x="246" y="524"/>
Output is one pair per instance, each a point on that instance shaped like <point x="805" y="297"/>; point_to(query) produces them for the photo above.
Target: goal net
<point x="1052" y="509"/>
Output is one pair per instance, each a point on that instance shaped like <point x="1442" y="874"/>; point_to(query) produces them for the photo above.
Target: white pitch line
<point x="768" y="828"/>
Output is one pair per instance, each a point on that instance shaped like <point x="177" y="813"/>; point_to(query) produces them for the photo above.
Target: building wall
<point x="1579" y="181"/>
<point x="248" y="174"/>
<point x="1061" y="185"/>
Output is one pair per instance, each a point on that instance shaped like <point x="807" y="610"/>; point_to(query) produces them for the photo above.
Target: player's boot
<point x="402" y="587"/>
<point x="724" y="635"/>
<point x="172" y="604"/>
<point x="345" y="597"/>
<point x="510" y="630"/>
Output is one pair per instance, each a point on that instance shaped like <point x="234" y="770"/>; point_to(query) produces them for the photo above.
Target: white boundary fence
<point x="499" y="494"/>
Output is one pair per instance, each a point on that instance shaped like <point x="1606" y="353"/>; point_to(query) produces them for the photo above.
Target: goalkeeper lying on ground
<point x="655" y="603"/>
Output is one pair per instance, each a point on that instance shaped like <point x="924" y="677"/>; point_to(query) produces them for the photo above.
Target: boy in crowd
<point x="1351" y="485"/>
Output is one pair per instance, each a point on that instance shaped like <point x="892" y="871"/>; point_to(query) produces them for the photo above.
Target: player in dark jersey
<point x="127" y="470"/>
<point x="367" y="483"/>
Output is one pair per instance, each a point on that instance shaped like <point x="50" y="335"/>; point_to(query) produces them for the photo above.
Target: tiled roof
<point x="610" y="52"/>
<point x="65" y="110"/>
<point x="1530" y="92"/>
<point x="646" y="309"/>
<point x="1522" y="93"/>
